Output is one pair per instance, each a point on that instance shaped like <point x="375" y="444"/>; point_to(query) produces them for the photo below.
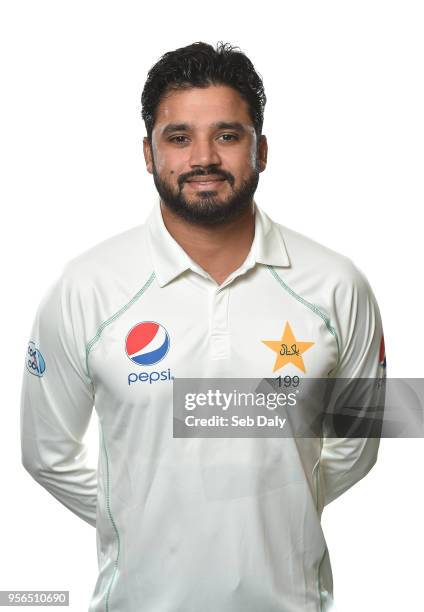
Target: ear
<point x="262" y="152"/>
<point x="147" y="150"/>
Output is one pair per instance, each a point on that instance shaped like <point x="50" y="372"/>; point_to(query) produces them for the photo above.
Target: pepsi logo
<point x="147" y="343"/>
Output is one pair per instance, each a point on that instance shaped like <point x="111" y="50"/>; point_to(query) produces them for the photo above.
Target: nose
<point x="203" y="153"/>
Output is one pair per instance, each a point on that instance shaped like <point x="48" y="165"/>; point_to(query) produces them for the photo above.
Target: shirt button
<point x="220" y="346"/>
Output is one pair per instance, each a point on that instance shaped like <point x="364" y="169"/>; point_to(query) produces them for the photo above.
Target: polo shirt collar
<point x="170" y="260"/>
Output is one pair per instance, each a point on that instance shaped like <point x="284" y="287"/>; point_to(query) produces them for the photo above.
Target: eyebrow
<point x="219" y="125"/>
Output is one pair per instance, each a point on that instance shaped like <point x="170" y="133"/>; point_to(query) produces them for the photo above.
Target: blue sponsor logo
<point x="35" y="361"/>
<point x="149" y="377"/>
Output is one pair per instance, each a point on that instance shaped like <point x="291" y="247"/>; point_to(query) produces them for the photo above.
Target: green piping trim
<point x="332" y="331"/>
<point x="93" y="341"/>
<point x="313" y="307"/>
<point x="326" y="549"/>
<point x="115" y="563"/>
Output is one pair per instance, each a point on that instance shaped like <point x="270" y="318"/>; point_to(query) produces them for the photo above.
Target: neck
<point x="219" y="250"/>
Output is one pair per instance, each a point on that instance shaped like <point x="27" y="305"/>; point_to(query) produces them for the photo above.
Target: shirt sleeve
<point x="355" y="404"/>
<point x="57" y="402"/>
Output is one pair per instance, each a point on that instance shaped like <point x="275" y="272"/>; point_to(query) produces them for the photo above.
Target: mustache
<point x="208" y="171"/>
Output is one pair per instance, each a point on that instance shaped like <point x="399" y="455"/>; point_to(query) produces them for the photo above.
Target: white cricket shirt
<point x="196" y="525"/>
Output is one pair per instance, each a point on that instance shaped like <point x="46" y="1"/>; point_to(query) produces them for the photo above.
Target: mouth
<point x="205" y="182"/>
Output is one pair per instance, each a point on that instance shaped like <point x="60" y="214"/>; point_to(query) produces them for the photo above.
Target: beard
<point x="208" y="208"/>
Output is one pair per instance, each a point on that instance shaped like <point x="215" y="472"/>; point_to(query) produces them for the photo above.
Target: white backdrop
<point x="344" y="121"/>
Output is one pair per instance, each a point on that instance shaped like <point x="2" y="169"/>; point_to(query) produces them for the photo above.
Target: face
<point x="204" y="154"/>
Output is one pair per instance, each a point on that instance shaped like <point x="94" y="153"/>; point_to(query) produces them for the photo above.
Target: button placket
<point x="219" y="332"/>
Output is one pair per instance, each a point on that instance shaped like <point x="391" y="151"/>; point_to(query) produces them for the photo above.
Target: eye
<point x="229" y="137"/>
<point x="178" y="139"/>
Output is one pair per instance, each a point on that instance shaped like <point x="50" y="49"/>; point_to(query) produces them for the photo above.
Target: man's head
<point x="203" y="110"/>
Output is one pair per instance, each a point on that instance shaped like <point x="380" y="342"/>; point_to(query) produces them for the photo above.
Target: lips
<point x="205" y="179"/>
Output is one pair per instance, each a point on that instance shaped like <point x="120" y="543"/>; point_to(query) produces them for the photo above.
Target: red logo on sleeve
<point x="382" y="359"/>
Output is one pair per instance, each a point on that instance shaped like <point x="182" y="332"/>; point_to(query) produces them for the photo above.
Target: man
<point x="209" y="287"/>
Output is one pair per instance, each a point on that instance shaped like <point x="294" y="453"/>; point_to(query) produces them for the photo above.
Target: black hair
<point x="200" y="65"/>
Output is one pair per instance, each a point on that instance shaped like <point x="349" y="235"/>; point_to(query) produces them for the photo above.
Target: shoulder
<point x="111" y="253"/>
<point x="96" y="283"/>
<point x="119" y="260"/>
<point x="312" y="258"/>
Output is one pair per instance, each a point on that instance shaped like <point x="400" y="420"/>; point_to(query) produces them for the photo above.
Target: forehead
<point x="203" y="106"/>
